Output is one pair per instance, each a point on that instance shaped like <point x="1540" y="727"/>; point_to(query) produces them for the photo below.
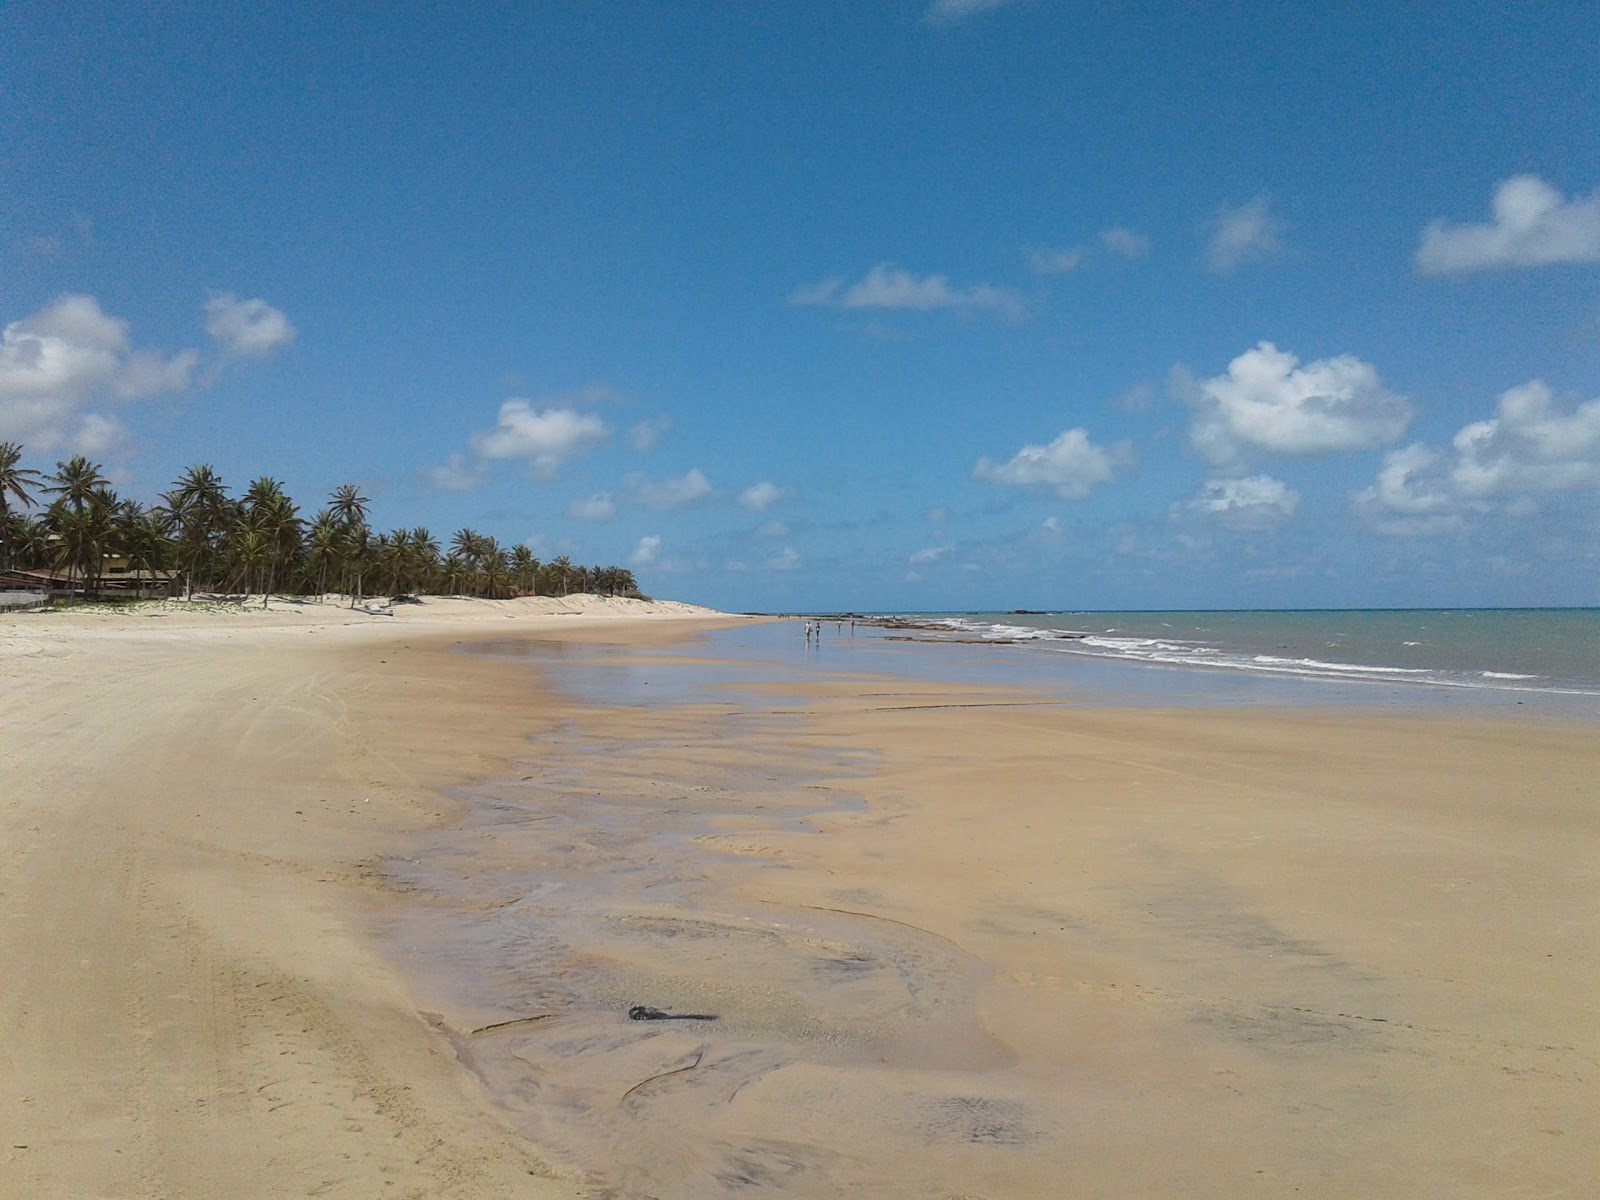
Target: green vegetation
<point x="256" y="543"/>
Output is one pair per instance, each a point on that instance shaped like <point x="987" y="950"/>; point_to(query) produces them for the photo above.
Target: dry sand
<point x="957" y="945"/>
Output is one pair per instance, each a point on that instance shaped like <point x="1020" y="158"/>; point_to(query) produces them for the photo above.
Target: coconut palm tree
<point x="199" y="506"/>
<point x="270" y="512"/>
<point x="348" y="504"/>
<point x="15" y="481"/>
<point x="525" y="567"/>
<point x="76" y="481"/>
<point x="141" y="535"/>
<point x="82" y="524"/>
<point x="324" y="544"/>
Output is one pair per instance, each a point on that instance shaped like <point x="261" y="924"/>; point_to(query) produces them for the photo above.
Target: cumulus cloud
<point x="455" y="474"/>
<point x="1532" y="225"/>
<point x="929" y="554"/>
<point x="1125" y="242"/>
<point x="247" y="328"/>
<point x="887" y="286"/>
<point x="646" y="553"/>
<point x="644" y="436"/>
<point x="787" y="559"/>
<point x="1044" y="261"/>
<point x="689" y="489"/>
<point x="1242" y="235"/>
<point x="542" y="438"/>
<point x="1250" y="504"/>
<point x="599" y="508"/>
<point x="1531" y="446"/>
<point x="759" y="497"/>
<point x="1268" y="402"/>
<point x="1072" y="465"/>
<point x="57" y="362"/>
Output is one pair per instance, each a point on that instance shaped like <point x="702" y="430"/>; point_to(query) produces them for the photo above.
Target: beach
<point x="320" y="904"/>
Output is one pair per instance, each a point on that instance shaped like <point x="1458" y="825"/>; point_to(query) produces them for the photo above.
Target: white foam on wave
<point x="1316" y="665"/>
<point x="1507" y="675"/>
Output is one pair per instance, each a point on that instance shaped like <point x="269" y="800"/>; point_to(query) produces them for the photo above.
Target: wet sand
<point x="337" y="914"/>
<point x="962" y="941"/>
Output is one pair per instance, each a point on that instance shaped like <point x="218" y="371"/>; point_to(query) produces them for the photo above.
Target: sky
<point x="873" y="304"/>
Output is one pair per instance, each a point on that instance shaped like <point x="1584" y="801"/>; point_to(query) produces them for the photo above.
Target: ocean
<point x="1523" y="661"/>
<point x="1538" y="652"/>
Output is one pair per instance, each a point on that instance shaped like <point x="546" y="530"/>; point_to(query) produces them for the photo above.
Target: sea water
<point x="1553" y="651"/>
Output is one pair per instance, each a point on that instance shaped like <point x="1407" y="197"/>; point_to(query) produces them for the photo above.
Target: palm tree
<point x="142" y="537"/>
<point x="199" y="505"/>
<point x="271" y="513"/>
<point x="455" y="571"/>
<point x="526" y="568"/>
<point x="76" y="481"/>
<point x="348" y="504"/>
<point x="82" y="523"/>
<point x="14" y="482"/>
<point x="325" y="543"/>
<point x="252" y="552"/>
<point x="561" y="571"/>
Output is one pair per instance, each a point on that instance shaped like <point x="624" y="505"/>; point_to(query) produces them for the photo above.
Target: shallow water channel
<point x="623" y="867"/>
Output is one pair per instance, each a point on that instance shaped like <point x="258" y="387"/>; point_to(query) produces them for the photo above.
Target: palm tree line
<point x="257" y="542"/>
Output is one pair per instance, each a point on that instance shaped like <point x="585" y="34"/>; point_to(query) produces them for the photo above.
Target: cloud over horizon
<point x="685" y="491"/>
<point x="1242" y="235"/>
<point x="888" y="287"/>
<point x="247" y="328"/>
<point x="68" y="356"/>
<point x="1071" y="465"/>
<point x="544" y="438"/>
<point x="1249" y="504"/>
<point x="1529" y="447"/>
<point x="1532" y="225"/>
<point x="1267" y="402"/>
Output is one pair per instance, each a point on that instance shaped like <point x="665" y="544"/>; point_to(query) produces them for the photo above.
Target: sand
<point x="305" y="903"/>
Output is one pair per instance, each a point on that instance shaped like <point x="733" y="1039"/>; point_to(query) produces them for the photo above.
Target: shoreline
<point x="1225" y="939"/>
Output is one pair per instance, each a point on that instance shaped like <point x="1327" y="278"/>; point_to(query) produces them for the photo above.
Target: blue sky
<point x="1017" y="303"/>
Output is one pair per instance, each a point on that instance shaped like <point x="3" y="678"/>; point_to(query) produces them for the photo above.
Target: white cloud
<point x="1268" y="402"/>
<point x="950" y="11"/>
<point x="455" y="474"/>
<point x="247" y="328"/>
<point x="887" y="286"/>
<point x="1530" y="446"/>
<point x="773" y="529"/>
<point x="759" y="497"/>
<point x="644" y="436"/>
<point x="543" y="438"/>
<point x="1044" y="261"/>
<point x="1126" y="242"/>
<point x="1071" y="464"/>
<point x="647" y="552"/>
<point x="598" y="508"/>
<point x="786" y="559"/>
<point x="929" y="554"/>
<point x="57" y="362"/>
<point x="1533" y="225"/>
<point x="1241" y="235"/>
<point x="1253" y="503"/>
<point x="689" y="489"/>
